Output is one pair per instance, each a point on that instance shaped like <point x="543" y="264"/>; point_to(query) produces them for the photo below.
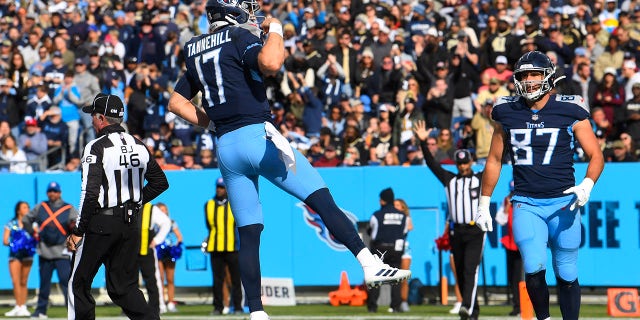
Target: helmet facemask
<point x="534" y="90"/>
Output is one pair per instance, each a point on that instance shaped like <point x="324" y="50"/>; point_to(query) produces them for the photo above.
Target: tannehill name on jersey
<point x="208" y="42"/>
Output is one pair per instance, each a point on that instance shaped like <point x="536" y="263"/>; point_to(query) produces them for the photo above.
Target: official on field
<point x="467" y="240"/>
<point x="114" y="168"/>
<point x="154" y="228"/>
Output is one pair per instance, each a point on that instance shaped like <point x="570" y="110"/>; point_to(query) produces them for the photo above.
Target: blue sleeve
<point x="248" y="46"/>
<point x="185" y="86"/>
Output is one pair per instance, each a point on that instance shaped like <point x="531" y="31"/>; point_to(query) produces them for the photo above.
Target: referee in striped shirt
<point x="114" y="168"/>
<point x="467" y="241"/>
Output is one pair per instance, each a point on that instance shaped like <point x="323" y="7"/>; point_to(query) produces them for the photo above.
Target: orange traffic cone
<point x="346" y="295"/>
<point x="526" y="308"/>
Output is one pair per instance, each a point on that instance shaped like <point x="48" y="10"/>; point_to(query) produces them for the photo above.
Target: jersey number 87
<point x="522" y="149"/>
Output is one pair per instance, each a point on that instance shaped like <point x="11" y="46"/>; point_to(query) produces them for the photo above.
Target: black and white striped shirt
<point x="463" y="192"/>
<point x="114" y="168"/>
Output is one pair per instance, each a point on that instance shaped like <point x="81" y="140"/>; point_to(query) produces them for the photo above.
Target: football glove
<point x="501" y="217"/>
<point x="483" y="217"/>
<point x="582" y="192"/>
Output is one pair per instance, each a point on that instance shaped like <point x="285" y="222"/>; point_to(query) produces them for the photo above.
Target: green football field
<point x="329" y="312"/>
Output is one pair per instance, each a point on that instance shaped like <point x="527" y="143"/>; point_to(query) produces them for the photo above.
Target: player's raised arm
<point x="271" y="57"/>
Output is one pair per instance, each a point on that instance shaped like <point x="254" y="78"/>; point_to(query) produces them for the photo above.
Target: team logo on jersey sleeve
<point x="313" y="220"/>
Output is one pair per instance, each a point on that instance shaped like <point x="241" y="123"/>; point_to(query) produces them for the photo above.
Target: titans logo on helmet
<point x="313" y="220"/>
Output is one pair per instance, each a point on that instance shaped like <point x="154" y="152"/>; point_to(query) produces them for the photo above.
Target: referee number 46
<point x="128" y="158"/>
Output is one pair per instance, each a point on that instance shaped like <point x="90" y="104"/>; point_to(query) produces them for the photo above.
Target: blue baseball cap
<point x="220" y="183"/>
<point x="53" y="187"/>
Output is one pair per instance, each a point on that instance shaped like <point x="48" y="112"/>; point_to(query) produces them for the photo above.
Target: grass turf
<point x="586" y="311"/>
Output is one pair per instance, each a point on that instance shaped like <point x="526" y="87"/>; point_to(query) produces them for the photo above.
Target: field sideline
<point x="325" y="311"/>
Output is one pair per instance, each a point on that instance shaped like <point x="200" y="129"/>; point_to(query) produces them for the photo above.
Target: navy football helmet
<point x="533" y="90"/>
<point x="231" y="12"/>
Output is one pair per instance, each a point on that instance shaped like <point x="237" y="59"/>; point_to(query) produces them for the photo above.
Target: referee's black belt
<point x="118" y="211"/>
<point x="464" y="225"/>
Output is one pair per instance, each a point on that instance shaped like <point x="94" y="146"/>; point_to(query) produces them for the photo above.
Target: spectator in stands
<point x="39" y="102"/>
<point x="493" y="92"/>
<point x="5" y="129"/>
<point x="381" y="145"/>
<point x="583" y="84"/>
<point x="482" y="126"/>
<point x="364" y="74"/>
<point x="189" y="159"/>
<point x="599" y="122"/>
<point x="33" y="142"/>
<point x="346" y="56"/>
<point x="54" y="73"/>
<point x="207" y="159"/>
<point x="351" y="158"/>
<point x="89" y="87"/>
<point x="390" y="159"/>
<point x="439" y="100"/>
<point x="352" y="139"/>
<point x="57" y="133"/>
<point x="329" y="158"/>
<point x="402" y="128"/>
<point x="147" y="46"/>
<point x="9" y="103"/>
<point x="463" y="80"/>
<point x="620" y="153"/>
<point x="632" y="114"/>
<point x="175" y="152"/>
<point x="19" y="75"/>
<point x="161" y="160"/>
<point x="445" y="142"/>
<point x="386" y="81"/>
<point x="629" y="76"/>
<point x="30" y="49"/>
<point x="313" y="107"/>
<point x="610" y="97"/>
<point x="630" y="145"/>
<point x="67" y="97"/>
<point x="611" y="59"/>
<point x="335" y="121"/>
<point x="14" y="155"/>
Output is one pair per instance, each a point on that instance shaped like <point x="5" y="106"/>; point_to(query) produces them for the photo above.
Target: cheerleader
<point x="21" y="250"/>
<point x="169" y="252"/>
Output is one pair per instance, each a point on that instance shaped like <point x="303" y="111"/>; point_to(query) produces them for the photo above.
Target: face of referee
<point x="464" y="168"/>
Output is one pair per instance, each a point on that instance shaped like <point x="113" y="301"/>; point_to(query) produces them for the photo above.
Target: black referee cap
<point x="463" y="156"/>
<point x="106" y="104"/>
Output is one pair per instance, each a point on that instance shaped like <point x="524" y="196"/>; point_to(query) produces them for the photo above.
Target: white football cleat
<point x="380" y="273"/>
<point x="259" y="315"/>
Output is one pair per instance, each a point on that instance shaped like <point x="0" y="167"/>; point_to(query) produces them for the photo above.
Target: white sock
<point x="365" y="257"/>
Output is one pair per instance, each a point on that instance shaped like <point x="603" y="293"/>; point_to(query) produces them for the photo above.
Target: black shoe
<point x="372" y="309"/>
<point x="514" y="312"/>
<point x="216" y="312"/>
<point x="463" y="313"/>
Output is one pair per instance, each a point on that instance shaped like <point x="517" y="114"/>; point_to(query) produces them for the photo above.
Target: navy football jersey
<point x="224" y="66"/>
<point x="541" y="143"/>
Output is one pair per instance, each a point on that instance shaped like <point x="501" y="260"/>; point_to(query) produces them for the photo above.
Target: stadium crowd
<point x="357" y="76"/>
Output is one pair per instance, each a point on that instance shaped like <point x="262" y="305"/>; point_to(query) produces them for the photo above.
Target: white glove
<point x="501" y="217"/>
<point x="483" y="217"/>
<point x="582" y="192"/>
